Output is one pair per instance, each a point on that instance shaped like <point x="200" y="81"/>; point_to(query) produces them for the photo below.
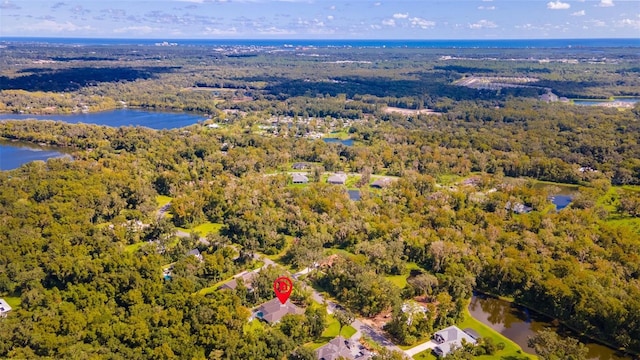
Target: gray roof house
<point x="196" y="253"/>
<point x="300" y="166"/>
<point x="246" y="277"/>
<point x="449" y="338"/>
<point x="299" y="178"/>
<point x="341" y="347"/>
<point x="4" y="308"/>
<point x="273" y="310"/>
<point x="337" y="179"/>
<point x="381" y="183"/>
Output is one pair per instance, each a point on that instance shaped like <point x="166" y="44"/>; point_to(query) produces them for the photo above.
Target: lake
<point x="518" y="323"/>
<point x="346" y="142"/>
<point x="14" y="154"/>
<point x="122" y="117"/>
<point x="629" y="101"/>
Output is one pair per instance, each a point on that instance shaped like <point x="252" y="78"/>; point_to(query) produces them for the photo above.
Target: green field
<point x="13" y="301"/>
<point x="203" y="229"/>
<point x="163" y="200"/>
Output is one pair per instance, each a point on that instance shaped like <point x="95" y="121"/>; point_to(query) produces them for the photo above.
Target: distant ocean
<point x="487" y="44"/>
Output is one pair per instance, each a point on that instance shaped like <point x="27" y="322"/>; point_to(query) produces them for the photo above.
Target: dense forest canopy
<point x="83" y="244"/>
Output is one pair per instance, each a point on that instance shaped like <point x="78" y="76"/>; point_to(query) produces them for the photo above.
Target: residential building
<point x="273" y="310"/>
<point x="337" y="179"/>
<point x="340" y="347"/>
<point x="246" y="277"/>
<point x="450" y="338"/>
<point x="381" y="183"/>
<point x="300" y="166"/>
<point x="196" y="253"/>
<point x="299" y="178"/>
<point x="4" y="308"/>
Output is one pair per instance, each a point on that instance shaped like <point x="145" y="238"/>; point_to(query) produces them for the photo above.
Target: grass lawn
<point x="333" y="326"/>
<point x="342" y="135"/>
<point x="163" y="200"/>
<point x="401" y="280"/>
<point x="204" y="229"/>
<point x="134" y="247"/>
<point x="13" y="301"/>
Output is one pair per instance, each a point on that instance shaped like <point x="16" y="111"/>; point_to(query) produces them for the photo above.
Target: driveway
<point x="420" y="348"/>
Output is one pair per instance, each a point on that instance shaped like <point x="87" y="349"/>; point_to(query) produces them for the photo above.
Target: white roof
<point x="4" y="307"/>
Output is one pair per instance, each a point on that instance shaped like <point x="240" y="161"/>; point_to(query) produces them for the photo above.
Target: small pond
<point x="560" y="195"/>
<point x="14" y="153"/>
<point x="354" y="194"/>
<point x="346" y="142"/>
<point x="518" y="324"/>
<point x="122" y="117"/>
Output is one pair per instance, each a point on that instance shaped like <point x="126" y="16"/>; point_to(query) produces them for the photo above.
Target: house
<point x="196" y="253"/>
<point x="518" y="208"/>
<point x="299" y="178"/>
<point x="4" y="308"/>
<point x="246" y="276"/>
<point x="213" y="126"/>
<point x="300" y="166"/>
<point x="549" y="97"/>
<point x="273" y="310"/>
<point x="381" y="183"/>
<point x="340" y="347"/>
<point x="450" y="338"/>
<point x="337" y="179"/>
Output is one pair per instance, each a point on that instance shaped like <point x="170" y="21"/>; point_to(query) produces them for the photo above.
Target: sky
<point x="321" y="19"/>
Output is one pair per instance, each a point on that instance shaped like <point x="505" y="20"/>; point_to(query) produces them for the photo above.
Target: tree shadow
<point x="75" y="78"/>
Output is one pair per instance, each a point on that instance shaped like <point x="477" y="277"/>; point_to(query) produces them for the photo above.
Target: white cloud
<point x="389" y="22"/>
<point x="630" y="23"/>
<point x="401" y="16"/>
<point x="135" y="29"/>
<point x="486" y="7"/>
<point x="330" y="17"/>
<point x="332" y="7"/>
<point x="377" y="3"/>
<point x="215" y="31"/>
<point x="8" y="5"/>
<point x="579" y="13"/>
<point x="421" y="23"/>
<point x="483" y="24"/>
<point x="597" y="23"/>
<point x="557" y="5"/>
<point x="53" y="26"/>
<point x="606" y="3"/>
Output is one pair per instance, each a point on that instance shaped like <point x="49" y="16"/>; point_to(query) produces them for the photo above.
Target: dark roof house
<point x="273" y="310"/>
<point x="450" y="338"/>
<point x="340" y="347"/>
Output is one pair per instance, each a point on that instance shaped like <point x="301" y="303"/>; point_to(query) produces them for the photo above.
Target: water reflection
<point x="518" y="324"/>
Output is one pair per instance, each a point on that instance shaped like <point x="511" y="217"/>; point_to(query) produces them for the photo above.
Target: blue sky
<point x="322" y="19"/>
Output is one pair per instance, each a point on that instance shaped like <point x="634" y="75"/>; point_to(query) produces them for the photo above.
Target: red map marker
<point x="283" y="287"/>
